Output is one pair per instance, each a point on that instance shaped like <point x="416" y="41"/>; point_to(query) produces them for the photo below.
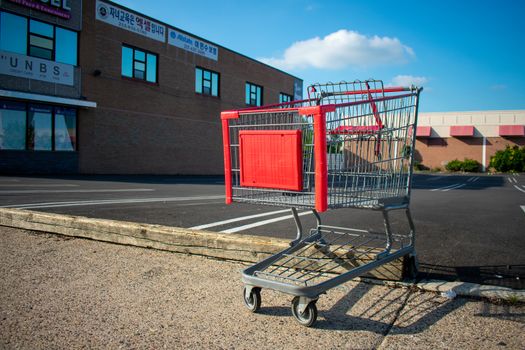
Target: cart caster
<point x="307" y="317"/>
<point x="252" y="298"/>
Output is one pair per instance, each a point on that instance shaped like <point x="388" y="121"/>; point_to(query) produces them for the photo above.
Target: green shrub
<point x="511" y="159"/>
<point x="453" y="165"/>
<point x="470" y="165"/>
<point x="467" y="165"/>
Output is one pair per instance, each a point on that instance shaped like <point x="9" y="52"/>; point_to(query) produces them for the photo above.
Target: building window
<point x="139" y="64"/>
<point x="41" y="40"/>
<point x="284" y="98"/>
<point x="66" y="43"/>
<point x="38" y="39"/>
<point x="12" y="126"/>
<point x="13" y="33"/>
<point x="254" y="94"/>
<point x="37" y="127"/>
<point x="206" y="82"/>
<point x="65" y="127"/>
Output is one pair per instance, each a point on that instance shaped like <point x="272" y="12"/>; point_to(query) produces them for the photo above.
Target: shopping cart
<point x="348" y="145"/>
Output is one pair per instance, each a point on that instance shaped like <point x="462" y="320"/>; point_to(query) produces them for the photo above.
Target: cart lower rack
<point x="349" y="145"/>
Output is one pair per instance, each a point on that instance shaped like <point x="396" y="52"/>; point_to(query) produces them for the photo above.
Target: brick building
<point x="96" y="88"/>
<point x="442" y="137"/>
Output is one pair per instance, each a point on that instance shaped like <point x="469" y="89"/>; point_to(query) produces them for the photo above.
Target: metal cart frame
<point x="349" y="145"/>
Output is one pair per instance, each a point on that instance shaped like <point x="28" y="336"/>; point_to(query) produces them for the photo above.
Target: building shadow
<point x="139" y="179"/>
<point x="470" y="181"/>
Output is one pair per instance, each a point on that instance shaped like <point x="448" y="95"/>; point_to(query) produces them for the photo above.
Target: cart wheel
<point x="308" y="317"/>
<point x="253" y="301"/>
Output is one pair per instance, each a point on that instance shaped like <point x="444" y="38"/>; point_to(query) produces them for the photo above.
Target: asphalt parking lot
<point x="469" y="227"/>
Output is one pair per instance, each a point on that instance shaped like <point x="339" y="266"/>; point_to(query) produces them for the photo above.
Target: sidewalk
<point x="59" y="292"/>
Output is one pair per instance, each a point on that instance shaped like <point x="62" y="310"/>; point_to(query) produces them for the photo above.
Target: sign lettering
<point x="129" y="21"/>
<point x="59" y="8"/>
<point x="35" y="68"/>
<point x="189" y="43"/>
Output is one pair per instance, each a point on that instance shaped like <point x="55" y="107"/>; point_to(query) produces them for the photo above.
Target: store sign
<point x="36" y="68"/>
<point x="59" y="8"/>
<point x="189" y="43"/>
<point x="130" y="21"/>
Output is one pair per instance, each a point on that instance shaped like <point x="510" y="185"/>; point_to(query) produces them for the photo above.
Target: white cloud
<point x="407" y="80"/>
<point x="499" y="87"/>
<point x="341" y="49"/>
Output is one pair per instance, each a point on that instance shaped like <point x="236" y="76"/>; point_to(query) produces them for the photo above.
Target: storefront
<point x="93" y="87"/>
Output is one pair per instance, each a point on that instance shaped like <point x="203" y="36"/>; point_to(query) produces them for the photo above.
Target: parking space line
<point x="519" y="189"/>
<point x="219" y="223"/>
<point x="262" y="223"/>
<point x="455" y="187"/>
<point x="522" y="208"/>
<point x="38" y="185"/>
<point x="445" y="187"/>
<point x="77" y="191"/>
<point x="108" y="201"/>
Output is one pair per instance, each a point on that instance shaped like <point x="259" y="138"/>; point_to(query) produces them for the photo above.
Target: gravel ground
<point x="64" y="293"/>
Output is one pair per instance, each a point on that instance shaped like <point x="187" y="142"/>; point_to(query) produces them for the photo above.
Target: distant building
<point x="445" y="136"/>
<point x="96" y="88"/>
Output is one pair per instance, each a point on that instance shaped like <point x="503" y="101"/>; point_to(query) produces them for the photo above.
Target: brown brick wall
<point x="159" y="129"/>
<point x="436" y="152"/>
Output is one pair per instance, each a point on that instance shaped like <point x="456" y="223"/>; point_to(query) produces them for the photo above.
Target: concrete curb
<point x="236" y="247"/>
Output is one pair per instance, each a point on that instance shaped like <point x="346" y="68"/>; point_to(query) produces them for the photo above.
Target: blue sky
<point x="468" y="55"/>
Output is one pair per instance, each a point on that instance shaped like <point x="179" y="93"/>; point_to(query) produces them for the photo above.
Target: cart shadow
<point x="399" y="311"/>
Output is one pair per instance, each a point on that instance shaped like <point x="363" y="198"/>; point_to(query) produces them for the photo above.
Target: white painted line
<point x="261" y="223"/>
<point x="455" y="188"/>
<point x="519" y="189"/>
<point x="442" y="188"/>
<point x="522" y="208"/>
<point x="242" y="218"/>
<point x="108" y="201"/>
<point x="38" y="185"/>
<point x="78" y="191"/>
<point x="473" y="179"/>
<point x="509" y="180"/>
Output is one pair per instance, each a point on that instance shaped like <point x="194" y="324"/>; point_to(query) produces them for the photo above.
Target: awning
<point x="46" y="98"/>
<point x="512" y="130"/>
<point x="462" y="131"/>
<point x="423" y="131"/>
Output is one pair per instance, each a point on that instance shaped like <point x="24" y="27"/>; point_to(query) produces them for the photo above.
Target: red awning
<point x="423" y="131"/>
<point x="512" y="130"/>
<point x="462" y="131"/>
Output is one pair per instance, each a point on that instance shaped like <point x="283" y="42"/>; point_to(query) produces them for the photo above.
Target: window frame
<point x="29" y="34"/>
<point x="210" y="80"/>
<point x="55" y="26"/>
<point x="53" y="108"/>
<point x="145" y="62"/>
<point x="250" y="84"/>
<point x="282" y="94"/>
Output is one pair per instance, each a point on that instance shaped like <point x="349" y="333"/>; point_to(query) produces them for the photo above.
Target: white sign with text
<point x="192" y="44"/>
<point x="129" y="21"/>
<point x="36" y="68"/>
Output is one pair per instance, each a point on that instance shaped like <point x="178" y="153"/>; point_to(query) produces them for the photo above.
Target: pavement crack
<point x="399" y="311"/>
